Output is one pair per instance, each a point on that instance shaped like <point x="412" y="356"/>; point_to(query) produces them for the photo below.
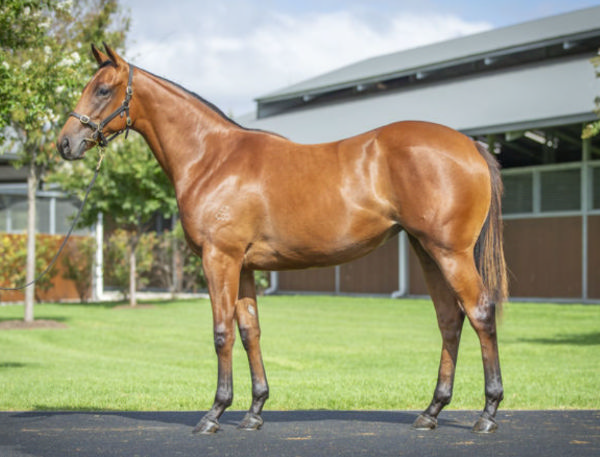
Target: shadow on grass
<point x="585" y="339"/>
<point x="4" y="365"/>
<point x="54" y="318"/>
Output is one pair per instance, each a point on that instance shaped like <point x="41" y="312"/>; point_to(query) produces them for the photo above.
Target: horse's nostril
<point x="65" y="146"/>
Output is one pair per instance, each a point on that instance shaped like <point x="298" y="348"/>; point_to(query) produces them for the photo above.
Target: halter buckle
<point x="85" y="120"/>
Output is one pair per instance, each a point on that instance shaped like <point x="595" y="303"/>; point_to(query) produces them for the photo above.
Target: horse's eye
<point x="103" y="91"/>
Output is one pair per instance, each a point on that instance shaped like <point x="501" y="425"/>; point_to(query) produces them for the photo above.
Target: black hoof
<point x="425" y="422"/>
<point x="251" y="422"/>
<point x="206" y="426"/>
<point x="485" y="425"/>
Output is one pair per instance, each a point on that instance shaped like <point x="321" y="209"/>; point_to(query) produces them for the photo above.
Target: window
<point x="518" y="193"/>
<point x="561" y="190"/>
<point x="65" y="212"/>
<point x="17" y="214"/>
<point x="596" y="188"/>
<point x="54" y="214"/>
<point x="43" y="216"/>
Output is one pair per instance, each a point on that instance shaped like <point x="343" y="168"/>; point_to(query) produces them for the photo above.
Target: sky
<point x="233" y="51"/>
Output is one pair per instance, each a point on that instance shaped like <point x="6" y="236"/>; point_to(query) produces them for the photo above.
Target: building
<point x="527" y="91"/>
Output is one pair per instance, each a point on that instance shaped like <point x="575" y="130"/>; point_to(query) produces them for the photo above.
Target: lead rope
<point x="62" y="246"/>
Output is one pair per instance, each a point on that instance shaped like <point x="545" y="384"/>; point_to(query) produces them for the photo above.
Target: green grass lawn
<point x="320" y="353"/>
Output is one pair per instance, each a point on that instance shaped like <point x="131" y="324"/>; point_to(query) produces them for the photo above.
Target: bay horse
<point x="253" y="200"/>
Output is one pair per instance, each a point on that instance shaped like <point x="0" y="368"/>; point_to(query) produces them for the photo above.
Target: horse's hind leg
<point x="461" y="273"/>
<point x="450" y="321"/>
<point x="246" y="312"/>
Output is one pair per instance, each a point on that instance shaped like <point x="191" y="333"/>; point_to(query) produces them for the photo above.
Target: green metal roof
<point x="534" y="74"/>
<point x="490" y="44"/>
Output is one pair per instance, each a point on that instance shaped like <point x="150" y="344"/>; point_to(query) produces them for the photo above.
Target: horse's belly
<point x="289" y="254"/>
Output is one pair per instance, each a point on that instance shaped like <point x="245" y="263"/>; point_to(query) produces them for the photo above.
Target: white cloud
<point x="232" y="61"/>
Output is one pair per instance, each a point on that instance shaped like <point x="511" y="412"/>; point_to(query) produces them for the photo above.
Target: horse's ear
<point x="99" y="55"/>
<point x="113" y="56"/>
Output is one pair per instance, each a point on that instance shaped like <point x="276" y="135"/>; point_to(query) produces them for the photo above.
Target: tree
<point x="41" y="73"/>
<point x="131" y="189"/>
<point x="593" y="128"/>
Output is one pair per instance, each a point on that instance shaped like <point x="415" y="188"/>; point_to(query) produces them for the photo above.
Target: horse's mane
<point x="212" y="106"/>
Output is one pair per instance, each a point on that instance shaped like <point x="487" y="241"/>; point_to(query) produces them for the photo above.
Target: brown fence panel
<point x="544" y="257"/>
<point x="594" y="257"/>
<point x="376" y="273"/>
<point x="313" y="280"/>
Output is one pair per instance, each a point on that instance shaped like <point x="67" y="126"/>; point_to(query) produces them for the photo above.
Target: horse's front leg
<point x="246" y="311"/>
<point x="222" y="274"/>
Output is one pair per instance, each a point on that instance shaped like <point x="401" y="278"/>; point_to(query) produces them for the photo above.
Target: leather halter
<point x="98" y="137"/>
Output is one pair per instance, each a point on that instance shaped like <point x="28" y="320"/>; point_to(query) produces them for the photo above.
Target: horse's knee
<point x="223" y="339"/>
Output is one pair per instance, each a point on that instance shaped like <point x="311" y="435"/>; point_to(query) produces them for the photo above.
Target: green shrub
<point x="116" y="258"/>
<point x="13" y="252"/>
<point x="78" y="261"/>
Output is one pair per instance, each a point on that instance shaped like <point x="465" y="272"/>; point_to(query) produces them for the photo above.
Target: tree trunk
<point x="32" y="183"/>
<point x="133" y="270"/>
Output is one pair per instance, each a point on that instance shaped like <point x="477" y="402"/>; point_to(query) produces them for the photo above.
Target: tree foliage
<point x="43" y="67"/>
<point x="131" y="187"/>
<point x="117" y="254"/>
<point x="593" y="128"/>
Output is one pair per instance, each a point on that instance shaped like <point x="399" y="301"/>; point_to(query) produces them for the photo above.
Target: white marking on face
<point x="251" y="310"/>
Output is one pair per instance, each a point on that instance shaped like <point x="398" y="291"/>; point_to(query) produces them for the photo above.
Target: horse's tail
<point x="489" y="250"/>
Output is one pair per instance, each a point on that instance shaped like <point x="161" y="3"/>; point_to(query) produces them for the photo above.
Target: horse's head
<point x="103" y="108"/>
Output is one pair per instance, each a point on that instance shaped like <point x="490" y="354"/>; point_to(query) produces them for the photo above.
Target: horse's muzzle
<point x="68" y="150"/>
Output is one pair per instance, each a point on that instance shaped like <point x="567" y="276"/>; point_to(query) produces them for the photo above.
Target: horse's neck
<point x="175" y="124"/>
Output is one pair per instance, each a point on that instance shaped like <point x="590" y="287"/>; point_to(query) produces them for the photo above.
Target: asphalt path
<point x="298" y="434"/>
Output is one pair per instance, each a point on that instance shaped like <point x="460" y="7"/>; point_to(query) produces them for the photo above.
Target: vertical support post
<point x="585" y="207"/>
<point x="52" y="221"/>
<point x="9" y="205"/>
<point x="537" y="192"/>
<point x="274" y="283"/>
<point x="403" y="268"/>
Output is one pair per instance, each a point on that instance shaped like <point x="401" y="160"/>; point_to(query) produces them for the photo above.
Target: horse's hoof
<point x="251" y="422"/>
<point x="425" y="422"/>
<point x="206" y="426"/>
<point x="485" y="425"/>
